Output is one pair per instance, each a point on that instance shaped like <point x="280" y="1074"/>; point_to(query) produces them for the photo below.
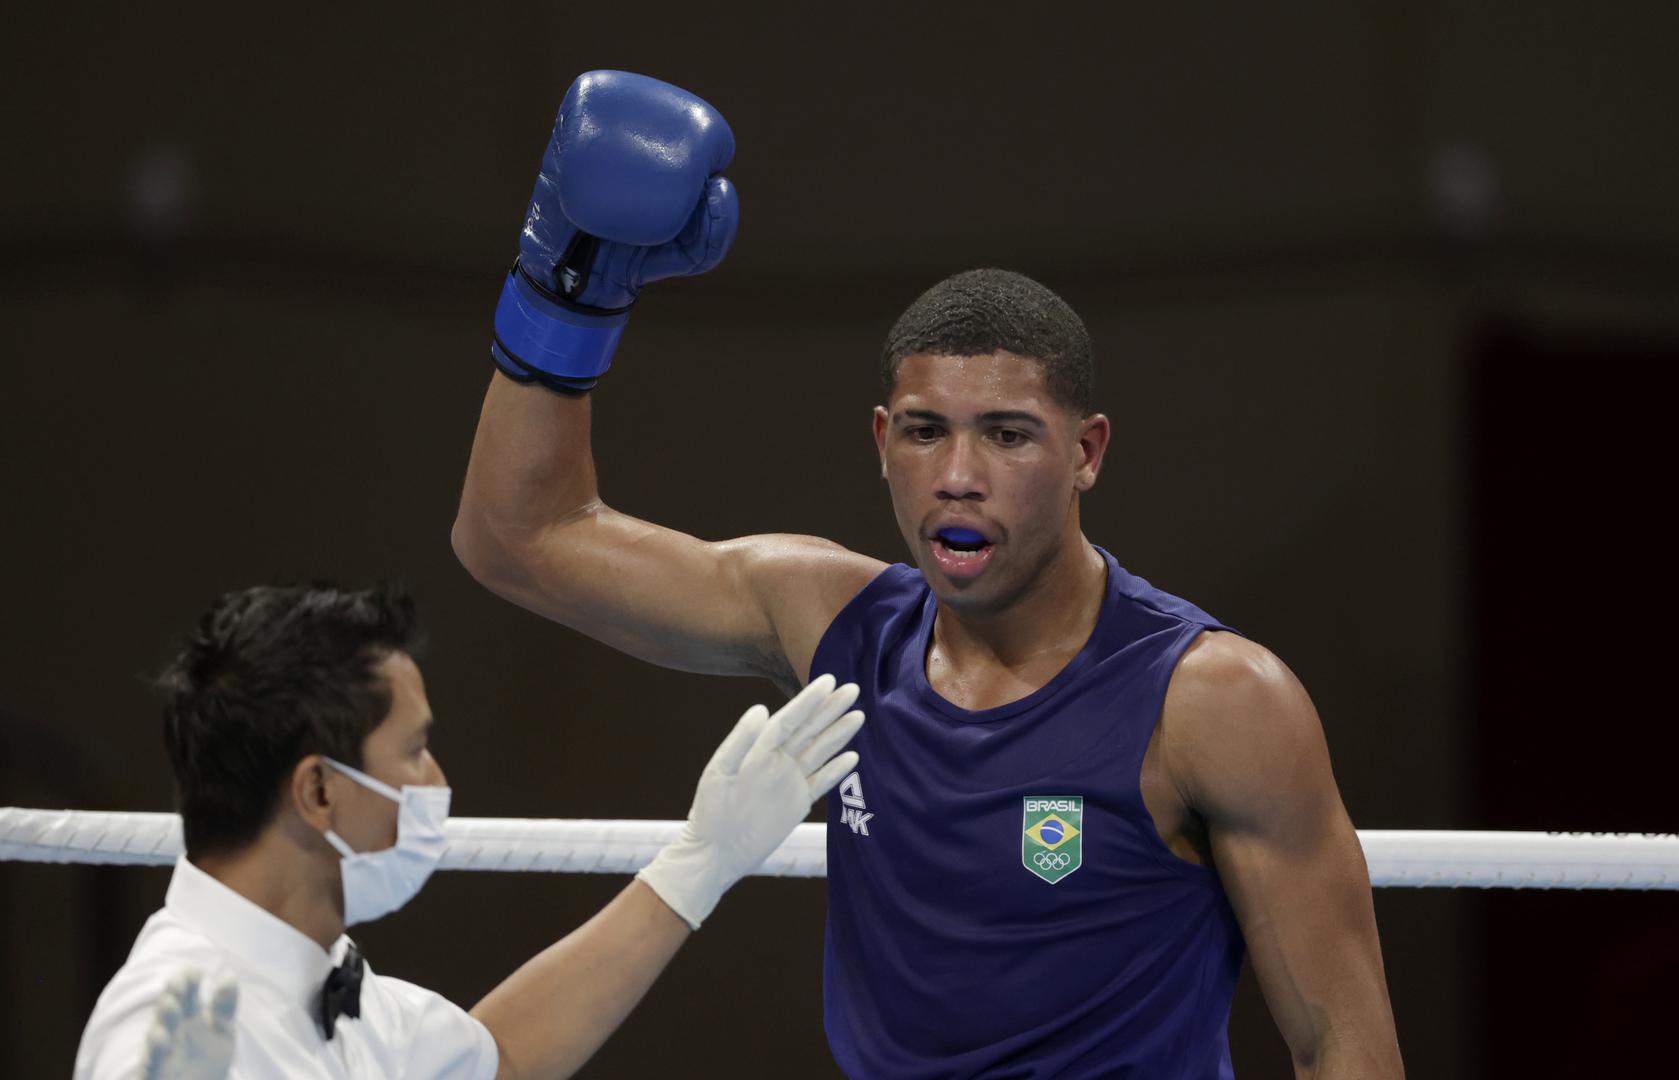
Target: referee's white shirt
<point x="404" y="1030"/>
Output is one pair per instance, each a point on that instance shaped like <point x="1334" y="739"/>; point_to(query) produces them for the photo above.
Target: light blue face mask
<point x="376" y="883"/>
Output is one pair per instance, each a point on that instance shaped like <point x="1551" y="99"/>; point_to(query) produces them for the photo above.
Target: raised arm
<point x="629" y="192"/>
<point x="533" y="529"/>
<point x="1246" y="749"/>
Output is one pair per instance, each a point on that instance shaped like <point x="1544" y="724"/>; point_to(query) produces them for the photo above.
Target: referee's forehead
<point x="409" y="708"/>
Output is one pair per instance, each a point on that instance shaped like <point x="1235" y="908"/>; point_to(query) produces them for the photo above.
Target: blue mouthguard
<point x="960" y="536"/>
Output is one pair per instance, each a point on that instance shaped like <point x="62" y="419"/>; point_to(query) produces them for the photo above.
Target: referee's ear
<point x="310" y="794"/>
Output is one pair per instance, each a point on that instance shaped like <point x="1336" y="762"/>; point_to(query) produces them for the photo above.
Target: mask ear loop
<point x="366" y="781"/>
<point x="338" y="842"/>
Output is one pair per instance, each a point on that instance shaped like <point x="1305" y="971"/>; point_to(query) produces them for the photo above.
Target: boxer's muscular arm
<point x="1244" y="746"/>
<point x="532" y="528"/>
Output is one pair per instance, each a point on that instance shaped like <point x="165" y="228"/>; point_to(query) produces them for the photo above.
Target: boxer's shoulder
<point x="792" y="569"/>
<point x="1221" y="662"/>
<point x="801" y="583"/>
<point x="1236" y="722"/>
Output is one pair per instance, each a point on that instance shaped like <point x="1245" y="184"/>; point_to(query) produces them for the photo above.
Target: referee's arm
<point x="1246" y="749"/>
<point x="552" y="1014"/>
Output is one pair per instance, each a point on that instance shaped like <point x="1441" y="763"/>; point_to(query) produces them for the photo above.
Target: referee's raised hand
<point x="192" y="1032"/>
<point x="758" y="786"/>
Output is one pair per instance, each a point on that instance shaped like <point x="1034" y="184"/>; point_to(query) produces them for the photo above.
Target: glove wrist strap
<point x="541" y="338"/>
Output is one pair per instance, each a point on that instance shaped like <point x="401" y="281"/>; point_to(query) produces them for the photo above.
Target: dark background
<point x="1384" y="298"/>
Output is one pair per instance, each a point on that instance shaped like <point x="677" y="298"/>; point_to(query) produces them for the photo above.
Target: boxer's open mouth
<point x="961" y="552"/>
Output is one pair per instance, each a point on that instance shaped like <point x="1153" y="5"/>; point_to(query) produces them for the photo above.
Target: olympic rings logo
<point x="1052" y="860"/>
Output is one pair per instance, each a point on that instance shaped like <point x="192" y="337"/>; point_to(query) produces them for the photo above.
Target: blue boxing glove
<point x="628" y="193"/>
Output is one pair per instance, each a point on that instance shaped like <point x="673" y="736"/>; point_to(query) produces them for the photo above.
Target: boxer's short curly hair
<point x="269" y="676"/>
<point x="978" y="312"/>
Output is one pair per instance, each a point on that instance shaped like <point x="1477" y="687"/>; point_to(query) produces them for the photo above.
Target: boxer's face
<point x="979" y="443"/>
<point x="397" y="752"/>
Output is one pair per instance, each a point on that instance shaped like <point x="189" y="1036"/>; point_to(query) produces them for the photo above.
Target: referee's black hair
<point x="979" y="312"/>
<point x="271" y="675"/>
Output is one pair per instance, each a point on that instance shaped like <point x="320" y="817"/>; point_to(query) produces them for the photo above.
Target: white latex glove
<point x="191" y="1037"/>
<point x="759" y="784"/>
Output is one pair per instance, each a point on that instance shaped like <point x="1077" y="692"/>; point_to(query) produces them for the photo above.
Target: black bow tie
<point x="341" y="996"/>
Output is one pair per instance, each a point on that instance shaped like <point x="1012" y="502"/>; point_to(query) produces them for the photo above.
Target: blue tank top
<point x="999" y="901"/>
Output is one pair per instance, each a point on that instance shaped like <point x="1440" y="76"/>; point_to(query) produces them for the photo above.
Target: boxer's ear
<point x="1095" y="432"/>
<point x="882" y="422"/>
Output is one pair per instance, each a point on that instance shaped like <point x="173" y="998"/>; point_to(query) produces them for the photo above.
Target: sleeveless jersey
<point x="999" y="901"/>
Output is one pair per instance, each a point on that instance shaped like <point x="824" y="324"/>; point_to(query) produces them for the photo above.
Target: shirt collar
<point x="266" y="943"/>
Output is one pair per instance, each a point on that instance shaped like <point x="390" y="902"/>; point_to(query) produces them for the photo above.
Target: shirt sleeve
<point x="439" y="1038"/>
<point x="114" y="1039"/>
<point x="113" y="1045"/>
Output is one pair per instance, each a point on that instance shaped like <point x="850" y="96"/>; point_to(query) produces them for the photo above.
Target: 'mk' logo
<point x="1052" y="838"/>
<point x="854" y="811"/>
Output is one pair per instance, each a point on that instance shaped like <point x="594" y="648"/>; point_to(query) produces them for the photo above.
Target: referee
<point x="297" y="726"/>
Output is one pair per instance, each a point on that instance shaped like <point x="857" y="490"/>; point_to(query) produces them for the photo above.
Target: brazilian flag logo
<point x="1052" y="838"/>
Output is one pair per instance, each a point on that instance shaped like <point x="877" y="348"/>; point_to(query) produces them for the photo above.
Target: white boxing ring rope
<point x="1397" y="857"/>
